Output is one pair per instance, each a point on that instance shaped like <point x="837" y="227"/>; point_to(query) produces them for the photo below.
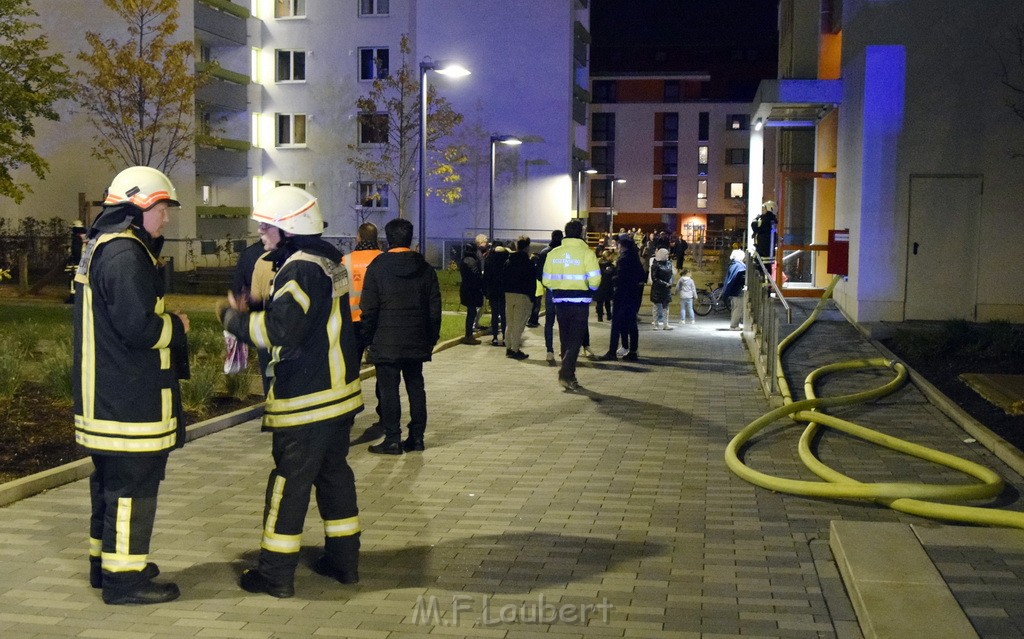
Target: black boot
<point x="326" y="567"/>
<point x="255" y="582"/>
<point x="135" y="588"/>
<point x="387" y="447"/>
<point x="96" y="572"/>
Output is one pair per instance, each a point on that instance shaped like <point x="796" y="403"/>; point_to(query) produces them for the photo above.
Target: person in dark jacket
<point x="314" y="393"/>
<point x="519" y="281"/>
<point x="549" y="306"/>
<point x="128" y="356"/>
<point x="494" y="265"/>
<point x="661" y="288"/>
<point x="735" y="280"/>
<point x="603" y="294"/>
<point x="402" y="323"/>
<point x="471" y="289"/>
<point x="629" y="291"/>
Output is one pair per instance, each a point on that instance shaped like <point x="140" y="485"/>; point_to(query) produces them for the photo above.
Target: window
<point x="669" y="160"/>
<point x="736" y="156"/>
<point x="373" y="63"/>
<point x="671" y="91"/>
<point x="735" y="190"/>
<point x="373" y="7"/>
<point x="291" y="129"/>
<point x="603" y="127"/>
<point x="301" y="185"/>
<point x="668" y="194"/>
<point x="373" y="195"/>
<point x="737" y="122"/>
<point x="670" y="127"/>
<point x="702" y="160"/>
<point x="703" y="124"/>
<point x="600" y="193"/>
<point x="373" y="128"/>
<point x="602" y="158"/>
<point x="702" y="194"/>
<point x="291" y="66"/>
<point x="289" y="8"/>
<point x="604" y="91"/>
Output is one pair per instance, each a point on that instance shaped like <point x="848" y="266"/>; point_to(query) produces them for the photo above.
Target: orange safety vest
<point x="356" y="263"/>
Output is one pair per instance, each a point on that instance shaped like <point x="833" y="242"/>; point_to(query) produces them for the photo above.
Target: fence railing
<point x="762" y="293"/>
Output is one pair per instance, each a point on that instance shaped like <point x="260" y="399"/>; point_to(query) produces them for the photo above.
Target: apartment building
<point x="684" y="158"/>
<point x="281" y="109"/>
<point x="908" y="138"/>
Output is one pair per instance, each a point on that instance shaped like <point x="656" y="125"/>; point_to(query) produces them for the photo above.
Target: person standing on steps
<point x="314" y="393"/>
<point x="735" y="280"/>
<point x="129" y="354"/>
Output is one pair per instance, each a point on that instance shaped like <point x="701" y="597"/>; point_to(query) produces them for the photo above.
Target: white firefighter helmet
<point x="142" y="186"/>
<point x="290" y="209"/>
<point x="769" y="205"/>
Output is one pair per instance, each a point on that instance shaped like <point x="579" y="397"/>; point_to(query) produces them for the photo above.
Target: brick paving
<point x="532" y="513"/>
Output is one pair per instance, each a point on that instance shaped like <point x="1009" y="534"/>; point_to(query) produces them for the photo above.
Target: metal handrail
<point x="775" y="288"/>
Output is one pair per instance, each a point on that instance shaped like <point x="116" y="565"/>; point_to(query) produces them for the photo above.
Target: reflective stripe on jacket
<point x="571" y="272"/>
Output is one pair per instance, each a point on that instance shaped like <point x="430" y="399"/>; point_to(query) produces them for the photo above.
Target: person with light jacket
<point x="572" y="274"/>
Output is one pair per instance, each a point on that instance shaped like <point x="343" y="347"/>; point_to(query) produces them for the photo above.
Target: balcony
<point x="221" y="156"/>
<point x="221" y="95"/>
<point x="220" y="23"/>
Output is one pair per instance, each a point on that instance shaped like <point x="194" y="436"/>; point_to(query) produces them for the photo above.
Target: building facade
<point x="280" y="108"/>
<point x="909" y="138"/>
<point x="683" y="155"/>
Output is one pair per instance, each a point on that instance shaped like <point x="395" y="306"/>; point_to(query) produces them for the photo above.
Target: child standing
<point x="687" y="292"/>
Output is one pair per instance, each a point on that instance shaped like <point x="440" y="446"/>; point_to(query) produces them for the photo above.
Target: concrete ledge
<point x="895" y="588"/>
<point x="18" y="489"/>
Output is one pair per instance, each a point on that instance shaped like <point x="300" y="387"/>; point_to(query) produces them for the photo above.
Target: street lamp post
<point x="452" y="70"/>
<point x="509" y="140"/>
<point x="611" y="203"/>
<point x="579" y="190"/>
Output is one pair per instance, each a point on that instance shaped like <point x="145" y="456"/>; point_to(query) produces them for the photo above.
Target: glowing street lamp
<point x="444" y="68"/>
<point x="509" y="140"/>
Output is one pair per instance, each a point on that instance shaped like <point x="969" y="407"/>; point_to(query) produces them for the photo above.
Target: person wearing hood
<point x="129" y="354"/>
<point x="314" y="393"/>
<point x="661" y="288"/>
<point x="471" y="289"/>
<point x="401" y="323"/>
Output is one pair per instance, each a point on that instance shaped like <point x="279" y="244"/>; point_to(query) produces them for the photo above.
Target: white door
<point x="942" y="250"/>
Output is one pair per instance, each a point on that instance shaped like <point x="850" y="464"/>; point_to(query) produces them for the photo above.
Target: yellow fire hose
<point x="923" y="500"/>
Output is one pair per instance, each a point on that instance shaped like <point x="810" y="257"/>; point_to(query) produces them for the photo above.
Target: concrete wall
<point x="926" y="101"/>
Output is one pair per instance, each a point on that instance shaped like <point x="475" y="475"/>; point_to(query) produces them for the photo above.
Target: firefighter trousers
<point x="123" y="491"/>
<point x="305" y="458"/>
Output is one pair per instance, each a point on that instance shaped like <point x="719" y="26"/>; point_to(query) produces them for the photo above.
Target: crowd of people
<point x="311" y="313"/>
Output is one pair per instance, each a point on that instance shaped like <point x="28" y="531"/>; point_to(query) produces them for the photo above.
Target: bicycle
<point x="710" y="299"/>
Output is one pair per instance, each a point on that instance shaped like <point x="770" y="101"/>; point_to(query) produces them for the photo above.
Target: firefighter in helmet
<point x="129" y="354"/>
<point x="314" y="392"/>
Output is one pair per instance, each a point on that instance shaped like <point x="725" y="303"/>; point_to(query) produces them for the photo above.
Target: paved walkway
<point x="533" y="513"/>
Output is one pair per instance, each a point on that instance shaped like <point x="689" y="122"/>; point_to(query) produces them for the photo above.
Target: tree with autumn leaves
<point x="139" y="92"/>
<point x="31" y="82"/>
<point x="390" y="117"/>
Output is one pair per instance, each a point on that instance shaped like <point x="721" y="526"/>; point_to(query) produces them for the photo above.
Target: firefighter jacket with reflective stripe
<point x="571" y="272"/>
<point x="356" y="263"/>
<point x="127" y="351"/>
<point x="307" y="328"/>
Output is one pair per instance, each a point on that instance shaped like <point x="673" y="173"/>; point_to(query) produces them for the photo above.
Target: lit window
<point x="735" y="190"/>
<point x="373" y="128"/>
<point x="737" y="122"/>
<point x="291" y="129"/>
<point x="373" y="7"/>
<point x="373" y="195"/>
<point x="702" y="160"/>
<point x="291" y="66"/>
<point x="289" y="8"/>
<point x="702" y="194"/>
<point x="373" y="63"/>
